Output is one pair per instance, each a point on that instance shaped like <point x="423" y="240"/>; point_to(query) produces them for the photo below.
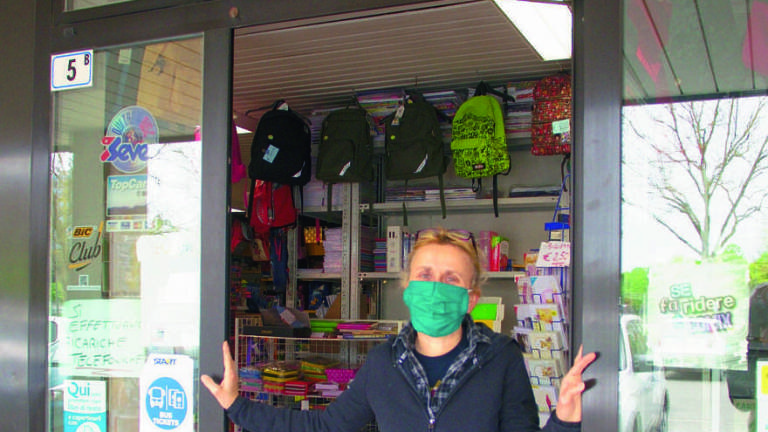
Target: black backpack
<point x="281" y="147"/>
<point x="414" y="146"/>
<point x="345" y="154"/>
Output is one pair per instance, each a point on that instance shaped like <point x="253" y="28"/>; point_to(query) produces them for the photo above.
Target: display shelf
<point x="396" y="275"/>
<point x="253" y="353"/>
<point x="464" y="206"/>
<point x="255" y="350"/>
<point x="311" y="274"/>
<point x="513" y="144"/>
<point x="321" y="212"/>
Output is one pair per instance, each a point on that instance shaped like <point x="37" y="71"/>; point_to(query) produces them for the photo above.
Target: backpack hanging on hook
<point x="345" y="153"/>
<point x="414" y="146"/>
<point x="551" y="121"/>
<point x="479" y="142"/>
<point x="281" y="147"/>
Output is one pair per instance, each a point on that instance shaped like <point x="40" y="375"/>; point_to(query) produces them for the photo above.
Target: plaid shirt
<point x="465" y="361"/>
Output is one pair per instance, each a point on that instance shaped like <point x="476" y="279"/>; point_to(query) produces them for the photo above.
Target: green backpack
<point x="345" y="154"/>
<point x="414" y="141"/>
<point x="479" y="143"/>
<point x="414" y="146"/>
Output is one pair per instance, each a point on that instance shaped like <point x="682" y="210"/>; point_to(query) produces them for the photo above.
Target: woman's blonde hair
<point x="441" y="236"/>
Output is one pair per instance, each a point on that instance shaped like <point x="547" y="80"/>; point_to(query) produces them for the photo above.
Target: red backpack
<point x="270" y="205"/>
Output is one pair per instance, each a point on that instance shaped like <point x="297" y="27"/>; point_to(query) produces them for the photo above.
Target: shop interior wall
<point x="524" y="228"/>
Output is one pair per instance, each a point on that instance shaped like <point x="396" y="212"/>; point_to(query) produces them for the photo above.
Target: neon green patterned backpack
<point x="478" y="142"/>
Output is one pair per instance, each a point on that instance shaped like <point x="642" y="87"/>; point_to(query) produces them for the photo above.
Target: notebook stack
<point x="276" y="374"/>
<point x="519" y="115"/>
<point x="380" y="255"/>
<point x="367" y="245"/>
<point x="313" y="368"/>
<point x="333" y="249"/>
<point x="250" y="380"/>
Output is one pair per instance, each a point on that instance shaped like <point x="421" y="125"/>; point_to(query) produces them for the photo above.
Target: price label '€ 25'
<point x="72" y="70"/>
<point x="554" y="254"/>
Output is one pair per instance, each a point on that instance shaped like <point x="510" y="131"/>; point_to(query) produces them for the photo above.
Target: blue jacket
<point x="489" y="391"/>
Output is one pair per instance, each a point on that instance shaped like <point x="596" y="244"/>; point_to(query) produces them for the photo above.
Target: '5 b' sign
<point x="72" y="70"/>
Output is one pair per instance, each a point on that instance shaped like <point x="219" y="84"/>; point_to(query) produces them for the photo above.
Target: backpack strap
<point x="477" y="184"/>
<point x="496" y="195"/>
<point x="271" y="200"/>
<point x="442" y="194"/>
<point x="301" y="199"/>
<point x="405" y="210"/>
<point x="483" y="89"/>
<point x="249" y="209"/>
<point x="329" y="203"/>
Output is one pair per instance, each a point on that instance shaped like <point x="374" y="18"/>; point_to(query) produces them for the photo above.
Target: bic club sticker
<point x="85" y="247"/>
<point x="126" y="145"/>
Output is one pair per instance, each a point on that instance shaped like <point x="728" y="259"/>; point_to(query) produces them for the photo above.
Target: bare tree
<point x="706" y="167"/>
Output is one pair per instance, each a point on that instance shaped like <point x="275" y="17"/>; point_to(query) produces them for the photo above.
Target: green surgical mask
<point x="437" y="308"/>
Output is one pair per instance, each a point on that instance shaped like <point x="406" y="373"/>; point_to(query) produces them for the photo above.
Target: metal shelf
<point x="464" y="206"/>
<point x="335" y="215"/>
<point x="513" y="144"/>
<point x="396" y="275"/>
<point x="307" y="274"/>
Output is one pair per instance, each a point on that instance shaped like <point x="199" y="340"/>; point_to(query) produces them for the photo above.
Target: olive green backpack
<point x="414" y="146"/>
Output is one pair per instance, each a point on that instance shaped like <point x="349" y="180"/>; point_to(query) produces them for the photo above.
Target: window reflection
<point x="694" y="183"/>
<point x="125" y="242"/>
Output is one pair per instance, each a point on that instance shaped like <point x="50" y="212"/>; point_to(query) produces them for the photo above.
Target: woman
<point x="441" y="373"/>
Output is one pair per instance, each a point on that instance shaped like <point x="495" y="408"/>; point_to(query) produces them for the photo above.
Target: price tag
<point x="72" y="70"/>
<point x="561" y="126"/>
<point x="554" y="254"/>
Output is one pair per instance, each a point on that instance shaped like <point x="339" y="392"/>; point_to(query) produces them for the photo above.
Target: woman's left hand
<point x="571" y="387"/>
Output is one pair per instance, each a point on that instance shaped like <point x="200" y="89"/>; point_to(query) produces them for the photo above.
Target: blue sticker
<point x="166" y="403"/>
<point x="271" y="153"/>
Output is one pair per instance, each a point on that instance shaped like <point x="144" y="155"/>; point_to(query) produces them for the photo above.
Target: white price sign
<point x="554" y="254"/>
<point x="72" y="70"/>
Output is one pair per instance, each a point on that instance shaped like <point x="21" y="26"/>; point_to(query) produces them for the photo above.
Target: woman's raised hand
<point x="226" y="392"/>
<point x="571" y="388"/>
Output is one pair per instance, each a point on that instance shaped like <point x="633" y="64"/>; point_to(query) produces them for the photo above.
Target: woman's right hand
<point x="226" y="392"/>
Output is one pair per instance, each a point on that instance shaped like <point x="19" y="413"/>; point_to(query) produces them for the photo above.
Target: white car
<point x="643" y="398"/>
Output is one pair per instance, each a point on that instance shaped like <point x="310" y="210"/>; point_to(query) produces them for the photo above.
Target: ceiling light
<point x="546" y="25"/>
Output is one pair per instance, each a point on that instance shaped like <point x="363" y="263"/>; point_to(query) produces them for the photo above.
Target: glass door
<point x="694" y="186"/>
<point x="125" y="241"/>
